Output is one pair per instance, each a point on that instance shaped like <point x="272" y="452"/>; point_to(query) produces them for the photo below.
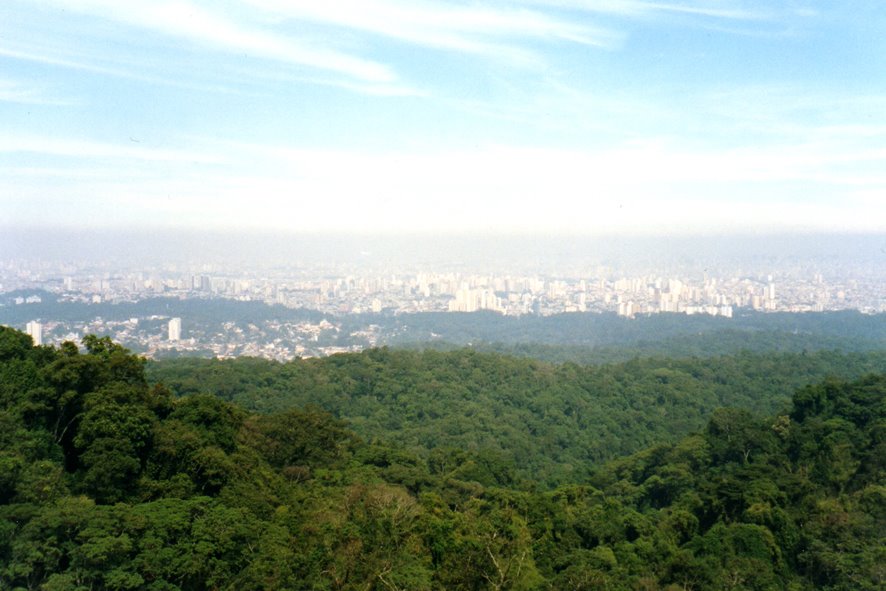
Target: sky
<point x="387" y="116"/>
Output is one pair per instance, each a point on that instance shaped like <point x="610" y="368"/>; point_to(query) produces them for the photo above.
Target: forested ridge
<point x="655" y="333"/>
<point x="548" y="423"/>
<point x="110" y="481"/>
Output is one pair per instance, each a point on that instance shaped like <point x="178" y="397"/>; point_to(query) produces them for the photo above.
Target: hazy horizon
<point x="492" y="252"/>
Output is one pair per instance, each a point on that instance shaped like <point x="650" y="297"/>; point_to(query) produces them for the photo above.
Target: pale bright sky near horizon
<point x="582" y="116"/>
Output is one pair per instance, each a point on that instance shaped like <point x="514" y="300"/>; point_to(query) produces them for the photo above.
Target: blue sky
<point x="578" y="116"/>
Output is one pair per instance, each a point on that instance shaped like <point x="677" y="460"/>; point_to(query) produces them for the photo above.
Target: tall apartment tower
<point x="175" y="329"/>
<point x="35" y="329"/>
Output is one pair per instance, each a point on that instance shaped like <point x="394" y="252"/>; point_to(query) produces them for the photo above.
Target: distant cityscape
<point x="337" y="292"/>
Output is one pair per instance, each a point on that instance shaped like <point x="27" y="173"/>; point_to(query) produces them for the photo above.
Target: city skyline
<point x="383" y="116"/>
<point x="280" y="313"/>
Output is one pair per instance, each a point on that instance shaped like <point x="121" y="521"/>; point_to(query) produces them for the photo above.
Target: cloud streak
<point x="278" y="31"/>
<point x="472" y="28"/>
<point x="196" y="24"/>
<point x="343" y="43"/>
<point x="12" y="143"/>
<point x="15" y="91"/>
<point x="725" y="9"/>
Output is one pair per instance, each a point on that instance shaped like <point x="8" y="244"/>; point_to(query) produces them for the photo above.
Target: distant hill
<point x="552" y="422"/>
<point x="750" y="330"/>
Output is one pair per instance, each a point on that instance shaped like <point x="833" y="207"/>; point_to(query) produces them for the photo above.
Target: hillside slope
<point x="551" y="422"/>
<point x="108" y="483"/>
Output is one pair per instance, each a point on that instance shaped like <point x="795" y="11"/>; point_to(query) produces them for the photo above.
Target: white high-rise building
<point x="471" y="300"/>
<point x="175" y="329"/>
<point x="35" y="329"/>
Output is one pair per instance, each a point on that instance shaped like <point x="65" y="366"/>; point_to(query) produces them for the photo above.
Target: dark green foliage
<point x="299" y="438"/>
<point x="14" y="344"/>
<point x="548" y="423"/>
<point x="605" y="337"/>
<point x="109" y="484"/>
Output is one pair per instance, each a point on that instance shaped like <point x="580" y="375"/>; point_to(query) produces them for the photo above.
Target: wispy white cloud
<point x="490" y="29"/>
<point x="77" y="173"/>
<point x="721" y="9"/>
<point x="17" y="91"/>
<point x="85" y="149"/>
<point x="45" y="58"/>
<point x="343" y="38"/>
<point x="805" y="111"/>
<point x="395" y="88"/>
<point x="215" y="29"/>
<point x="338" y="44"/>
<point x="718" y="9"/>
<point x="118" y="67"/>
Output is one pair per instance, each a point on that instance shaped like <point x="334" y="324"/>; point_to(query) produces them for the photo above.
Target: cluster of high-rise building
<point x="344" y="291"/>
<point x="472" y="300"/>
<point x="353" y="295"/>
<point x="348" y="291"/>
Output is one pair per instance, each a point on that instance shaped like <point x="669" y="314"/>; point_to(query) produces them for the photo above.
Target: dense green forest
<point x="715" y="343"/>
<point x="659" y="334"/>
<point x="110" y="482"/>
<point x="548" y="423"/>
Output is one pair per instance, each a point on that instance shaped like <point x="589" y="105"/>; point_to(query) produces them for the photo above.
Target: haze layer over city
<point x="288" y="296"/>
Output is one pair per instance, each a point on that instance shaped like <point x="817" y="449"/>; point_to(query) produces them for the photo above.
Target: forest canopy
<point x="111" y="480"/>
<point x="549" y="423"/>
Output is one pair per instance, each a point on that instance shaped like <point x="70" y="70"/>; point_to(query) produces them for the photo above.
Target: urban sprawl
<point x="337" y="295"/>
